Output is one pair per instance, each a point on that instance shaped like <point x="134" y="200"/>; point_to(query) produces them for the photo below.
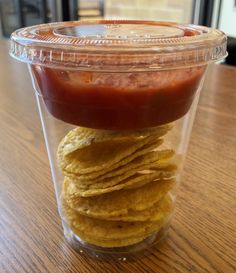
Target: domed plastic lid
<point x="115" y="45"/>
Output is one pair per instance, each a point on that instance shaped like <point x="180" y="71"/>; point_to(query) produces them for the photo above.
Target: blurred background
<point x="219" y="14"/>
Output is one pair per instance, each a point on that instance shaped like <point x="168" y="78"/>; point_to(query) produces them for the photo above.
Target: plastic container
<point x="117" y="101"/>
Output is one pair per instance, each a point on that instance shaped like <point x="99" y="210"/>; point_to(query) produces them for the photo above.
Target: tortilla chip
<point x="117" y="203"/>
<point x="110" y="230"/>
<point x="129" y="180"/>
<point x="81" y="137"/>
<point x="107" y="243"/>
<point x="98" y="156"/>
<point x="152" y="160"/>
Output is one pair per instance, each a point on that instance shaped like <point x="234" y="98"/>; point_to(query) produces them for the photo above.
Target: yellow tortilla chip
<point x="112" y="243"/>
<point x="154" y="159"/>
<point x="110" y="230"/>
<point x="81" y="137"/>
<point x="117" y="203"/>
<point x="154" y="213"/>
<point x="128" y="180"/>
<point x="108" y="243"/>
<point x="98" y="156"/>
<point x="157" y="160"/>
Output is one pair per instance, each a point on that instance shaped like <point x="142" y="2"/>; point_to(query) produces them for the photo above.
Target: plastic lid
<point x="117" y="45"/>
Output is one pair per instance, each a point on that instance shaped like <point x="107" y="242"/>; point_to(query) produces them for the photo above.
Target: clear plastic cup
<point x="117" y="101"/>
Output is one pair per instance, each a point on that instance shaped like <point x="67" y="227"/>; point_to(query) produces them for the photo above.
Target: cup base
<point x="117" y="253"/>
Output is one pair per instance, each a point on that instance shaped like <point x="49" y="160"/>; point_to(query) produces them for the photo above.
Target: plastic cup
<point x="117" y="101"/>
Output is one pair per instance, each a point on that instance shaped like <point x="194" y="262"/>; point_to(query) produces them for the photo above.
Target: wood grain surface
<point x="202" y="237"/>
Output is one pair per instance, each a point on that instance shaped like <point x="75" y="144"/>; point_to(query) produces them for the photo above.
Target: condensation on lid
<point x="117" y="45"/>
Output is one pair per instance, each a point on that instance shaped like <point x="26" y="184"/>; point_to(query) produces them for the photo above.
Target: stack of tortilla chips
<point x="116" y="184"/>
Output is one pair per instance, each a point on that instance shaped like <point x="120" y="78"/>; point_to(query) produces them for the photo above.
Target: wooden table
<point x="203" y="232"/>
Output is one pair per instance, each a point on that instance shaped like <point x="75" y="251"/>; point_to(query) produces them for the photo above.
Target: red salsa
<point x="117" y="101"/>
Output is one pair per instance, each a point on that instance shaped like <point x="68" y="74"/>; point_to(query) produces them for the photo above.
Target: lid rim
<point x="71" y="52"/>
